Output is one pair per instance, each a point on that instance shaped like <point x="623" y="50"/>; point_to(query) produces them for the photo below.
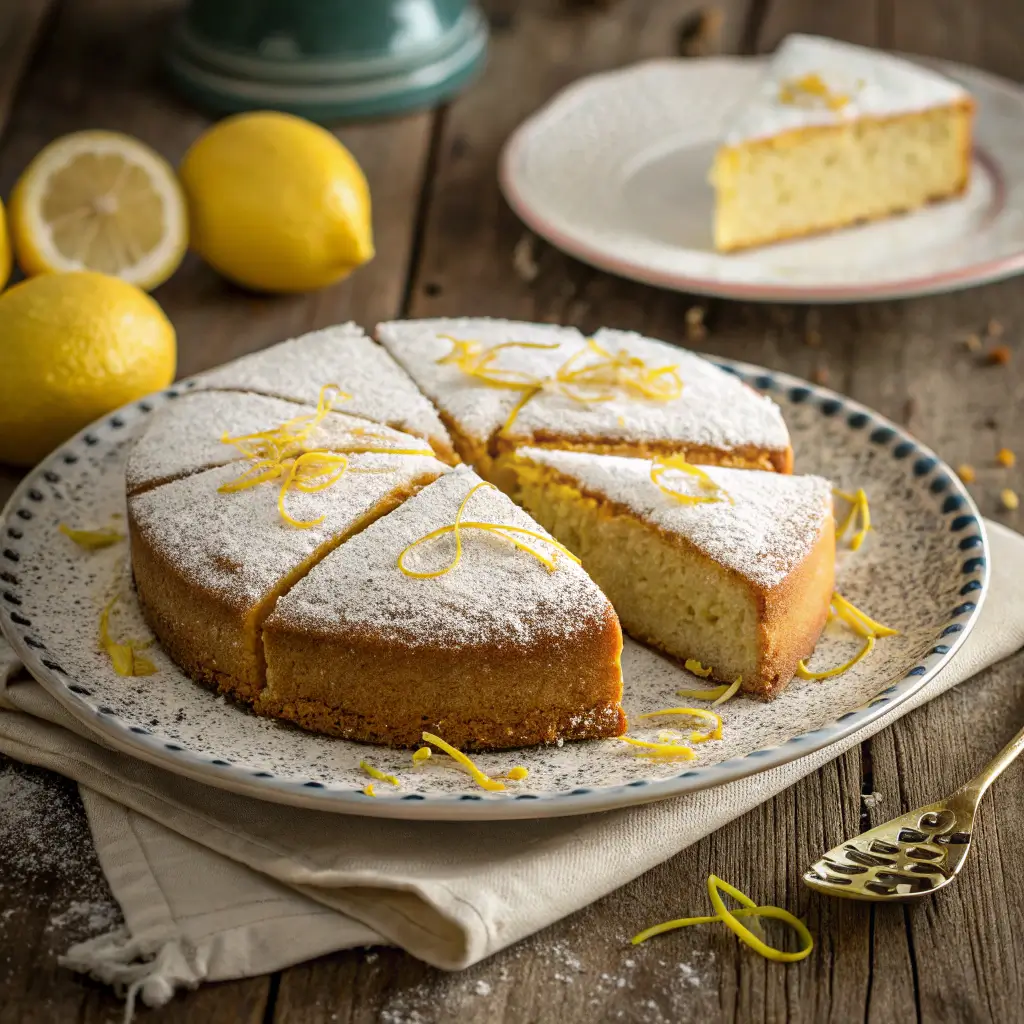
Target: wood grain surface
<point x="447" y="244"/>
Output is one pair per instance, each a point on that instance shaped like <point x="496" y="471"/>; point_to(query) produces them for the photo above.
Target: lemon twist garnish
<point x="278" y="454"/>
<point x="421" y="755"/>
<point x="866" y="628"/>
<point x="500" y="529"/>
<point x="811" y="90"/>
<point x="714" y="732"/>
<point x="92" y="540"/>
<point x="376" y="773"/>
<point x="729" y="692"/>
<point x="124" y="656"/>
<point x="663" y="463"/>
<point x="730" y="918"/>
<point x="660" y="751"/>
<point x="859" y="509"/>
<point x="483" y="780"/>
<point x="694" y="666"/>
<point x="601" y="380"/>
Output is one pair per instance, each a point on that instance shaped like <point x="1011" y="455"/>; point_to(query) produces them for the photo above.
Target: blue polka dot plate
<point x="921" y="570"/>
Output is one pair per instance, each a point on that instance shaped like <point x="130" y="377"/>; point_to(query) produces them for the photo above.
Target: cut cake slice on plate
<point x="186" y="435"/>
<point x="837" y="134"/>
<point x="209" y="565"/>
<point x="502" y="650"/>
<point x="736" y="573"/>
<point x="296" y="370"/>
<point x="500" y="384"/>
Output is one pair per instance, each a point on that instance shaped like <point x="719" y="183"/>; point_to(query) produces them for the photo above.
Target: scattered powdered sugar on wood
<point x="764" y="533"/>
<point x="297" y="369"/>
<point x="496" y="594"/>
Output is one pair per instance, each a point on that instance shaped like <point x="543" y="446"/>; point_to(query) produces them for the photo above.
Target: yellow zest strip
<point x="664" y="463"/>
<point x="368" y="789"/>
<point x="517" y="773"/>
<point x="811" y="90"/>
<point x="594" y="382"/>
<point x="858" y="623"/>
<point x="92" y="540"/>
<point x="859" y="509"/>
<point x="729" y="693"/>
<point x="659" y="750"/>
<point x="694" y="666"/>
<point x="480" y="778"/>
<point x="714" y="718"/>
<point x="730" y="918"/>
<point x="421" y="755"/>
<point x="711" y="694"/>
<point x="500" y="529"/>
<point x="124" y="656"/>
<point x="376" y="773"/>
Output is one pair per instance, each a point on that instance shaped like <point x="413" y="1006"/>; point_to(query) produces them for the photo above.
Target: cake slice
<point x="836" y="134"/>
<point x="739" y="580"/>
<point x="296" y="370"/>
<point x="500" y="651"/>
<point x="209" y="565"/>
<point x="185" y="436"/>
<point x="618" y="393"/>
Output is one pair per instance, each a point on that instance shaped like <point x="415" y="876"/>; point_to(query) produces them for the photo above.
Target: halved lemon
<point x="100" y="201"/>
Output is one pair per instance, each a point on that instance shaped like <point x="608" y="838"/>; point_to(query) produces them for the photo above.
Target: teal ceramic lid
<point x="326" y="59"/>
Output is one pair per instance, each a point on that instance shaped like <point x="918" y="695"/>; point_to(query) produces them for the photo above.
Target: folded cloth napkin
<point x="216" y="886"/>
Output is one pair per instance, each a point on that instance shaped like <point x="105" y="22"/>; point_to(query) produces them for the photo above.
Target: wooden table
<point x="445" y="246"/>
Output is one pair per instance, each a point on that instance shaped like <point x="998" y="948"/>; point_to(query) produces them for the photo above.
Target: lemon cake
<point x="188" y="434"/>
<point x="732" y="568"/>
<point x="209" y="564"/>
<point x="377" y="388"/>
<point x="837" y="134"/>
<point x="500" y="384"/>
<point x="397" y="631"/>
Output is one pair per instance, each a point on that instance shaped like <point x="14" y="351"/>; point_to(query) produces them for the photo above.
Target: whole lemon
<point x="5" y="250"/>
<point x="276" y="203"/>
<point x="74" y="346"/>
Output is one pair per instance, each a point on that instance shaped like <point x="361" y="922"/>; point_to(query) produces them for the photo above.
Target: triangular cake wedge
<point x="712" y="419"/>
<point x="297" y="369"/>
<point x="209" y="565"/>
<point x="185" y="436"/>
<point x="501" y="651"/>
<point x="741" y="583"/>
<point x="833" y="135"/>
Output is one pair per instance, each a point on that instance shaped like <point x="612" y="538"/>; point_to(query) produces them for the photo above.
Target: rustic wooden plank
<point x="21" y="26"/>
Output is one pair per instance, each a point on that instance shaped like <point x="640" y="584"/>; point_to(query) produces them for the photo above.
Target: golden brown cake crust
<point x="364" y="686"/>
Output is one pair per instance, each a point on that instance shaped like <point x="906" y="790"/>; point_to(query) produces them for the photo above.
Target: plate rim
<point x="517" y="144"/>
<point x="471" y="805"/>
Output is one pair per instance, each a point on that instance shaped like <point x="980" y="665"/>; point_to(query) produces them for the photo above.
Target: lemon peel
<point x="377" y="774"/>
<point x="858" y="510"/>
<point x="731" y="919"/>
<point x="92" y="540"/>
<point x="860" y="624"/>
<point x="508" y="532"/>
<point x="517" y="774"/>
<point x="712" y="693"/>
<point x="421" y="755"/>
<point x="368" y="789"/>
<point x="694" y="666"/>
<point x="124" y="656"/>
<point x="715" y="731"/>
<point x="729" y="692"/>
<point x="483" y="780"/>
<point x="659" y="750"/>
<point x="663" y="463"/>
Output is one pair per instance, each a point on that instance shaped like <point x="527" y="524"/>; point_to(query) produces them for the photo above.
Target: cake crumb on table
<point x="972" y="343"/>
<point x="1000" y="355"/>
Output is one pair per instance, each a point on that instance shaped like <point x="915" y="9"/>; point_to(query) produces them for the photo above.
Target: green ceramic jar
<point x="326" y="59"/>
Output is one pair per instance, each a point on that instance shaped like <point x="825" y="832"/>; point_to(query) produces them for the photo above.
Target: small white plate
<point x="922" y="570"/>
<point x="614" y="171"/>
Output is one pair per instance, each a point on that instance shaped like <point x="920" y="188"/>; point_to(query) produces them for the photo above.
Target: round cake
<point x="301" y="540"/>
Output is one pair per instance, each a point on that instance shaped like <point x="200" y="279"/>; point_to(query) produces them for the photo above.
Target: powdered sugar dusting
<point x="297" y="369"/>
<point x="715" y="409"/>
<point x="185" y="436"/>
<point x="477" y="409"/>
<point x="496" y="594"/>
<point x="764" y="533"/>
<point x="237" y="545"/>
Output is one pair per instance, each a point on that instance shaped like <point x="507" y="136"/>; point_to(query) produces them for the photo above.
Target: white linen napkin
<point x="216" y="886"/>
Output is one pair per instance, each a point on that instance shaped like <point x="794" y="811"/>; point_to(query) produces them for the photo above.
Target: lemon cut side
<point x="100" y="201"/>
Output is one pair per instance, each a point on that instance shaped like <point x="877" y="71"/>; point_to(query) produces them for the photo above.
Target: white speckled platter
<point x="614" y="171"/>
<point x="922" y="570"/>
